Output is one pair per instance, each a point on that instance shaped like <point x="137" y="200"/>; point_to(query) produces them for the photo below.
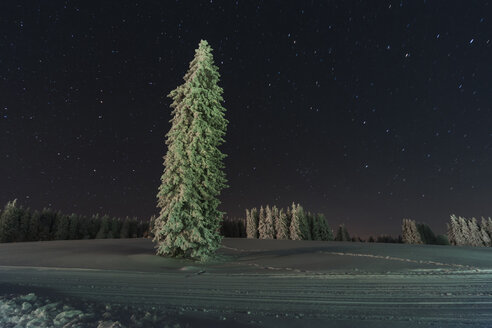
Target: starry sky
<point x="366" y="111"/>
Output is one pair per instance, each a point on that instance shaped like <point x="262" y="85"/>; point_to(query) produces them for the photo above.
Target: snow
<point x="33" y="311"/>
<point x="266" y="283"/>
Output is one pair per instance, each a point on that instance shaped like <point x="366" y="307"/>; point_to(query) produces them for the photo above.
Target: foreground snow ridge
<point x="33" y="311"/>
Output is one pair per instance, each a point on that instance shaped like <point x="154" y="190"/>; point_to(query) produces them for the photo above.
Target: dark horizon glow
<point x="366" y="112"/>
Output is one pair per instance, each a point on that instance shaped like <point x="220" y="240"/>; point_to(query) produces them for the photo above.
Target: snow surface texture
<point x="254" y="283"/>
<point x="32" y="311"/>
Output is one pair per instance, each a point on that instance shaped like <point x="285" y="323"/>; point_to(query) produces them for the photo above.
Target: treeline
<point x="292" y="223"/>
<point x="21" y="224"/>
<point x="468" y="232"/>
<point x="420" y="233"/>
<point x="233" y="227"/>
<point x="460" y="232"/>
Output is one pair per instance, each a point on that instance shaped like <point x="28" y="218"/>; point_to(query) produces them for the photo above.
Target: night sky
<point x="366" y="111"/>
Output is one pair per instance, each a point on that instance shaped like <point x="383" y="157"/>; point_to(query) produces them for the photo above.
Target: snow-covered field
<point x="253" y="283"/>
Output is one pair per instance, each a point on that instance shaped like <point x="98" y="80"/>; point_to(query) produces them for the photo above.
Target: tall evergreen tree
<point x="295" y="224"/>
<point x="150" y="232"/>
<point x="189" y="221"/>
<point x="464" y="232"/>
<point x="125" y="228"/>
<point x="311" y="221"/>
<point x="475" y="235"/>
<point x="275" y="217"/>
<point x="104" y="228"/>
<point x="62" y="227"/>
<point x="486" y="224"/>
<point x="250" y="226"/>
<point x="282" y="225"/>
<point x="33" y="232"/>
<point x="410" y="233"/>
<point x="453" y="231"/>
<point x="46" y="224"/>
<point x="74" y="228"/>
<point x="24" y="223"/>
<point x="134" y="228"/>
<point x="265" y="227"/>
<point x="426" y="234"/>
<point x="342" y="233"/>
<point x="10" y="222"/>
<point x="303" y="223"/>
<point x="325" y="230"/>
<point x="261" y="222"/>
<point x="115" y="228"/>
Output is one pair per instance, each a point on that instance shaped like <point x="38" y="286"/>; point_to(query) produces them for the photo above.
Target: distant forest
<point x="21" y="224"/>
<point x="18" y="224"/>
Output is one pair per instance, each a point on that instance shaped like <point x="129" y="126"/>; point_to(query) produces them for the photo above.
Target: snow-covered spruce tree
<point x="24" y="223"/>
<point x="316" y="233"/>
<point x="320" y="228"/>
<point x="275" y="217"/>
<point x="104" y="227"/>
<point x="10" y="222"/>
<point x="262" y="223"/>
<point x="426" y="234"/>
<point x="484" y="236"/>
<point x="62" y="227"/>
<point x="115" y="227"/>
<point x="342" y="233"/>
<point x="33" y="232"/>
<point x="464" y="232"/>
<point x="453" y="231"/>
<point x="410" y="233"/>
<point x="266" y="225"/>
<point x="310" y="224"/>
<point x="295" y="224"/>
<point x="189" y="221"/>
<point x="475" y="238"/>
<point x="304" y="224"/>
<point x="250" y="225"/>
<point x="74" y="229"/>
<point x="486" y="224"/>
<point x="125" y="228"/>
<point x="326" y="231"/>
<point x="282" y="226"/>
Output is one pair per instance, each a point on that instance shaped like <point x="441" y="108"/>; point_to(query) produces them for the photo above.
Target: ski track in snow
<point x="266" y="286"/>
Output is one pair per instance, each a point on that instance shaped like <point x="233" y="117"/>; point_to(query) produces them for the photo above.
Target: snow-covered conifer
<point x="453" y="231"/>
<point x="103" y="228"/>
<point x="464" y="232"/>
<point x="10" y="222"/>
<point x="410" y="233"/>
<point x="268" y="228"/>
<point x="486" y="224"/>
<point x="295" y="224"/>
<point x="275" y="217"/>
<point x="252" y="221"/>
<point x="74" y="227"/>
<point x="324" y="229"/>
<point x="24" y="223"/>
<point x="189" y="221"/>
<point x="262" y="223"/>
<point x="475" y="236"/>
<point x="282" y="226"/>
<point x="304" y="224"/>
<point x="33" y="232"/>
<point x="62" y="227"/>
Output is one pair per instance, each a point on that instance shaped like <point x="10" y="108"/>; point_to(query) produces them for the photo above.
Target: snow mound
<point x="31" y="311"/>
